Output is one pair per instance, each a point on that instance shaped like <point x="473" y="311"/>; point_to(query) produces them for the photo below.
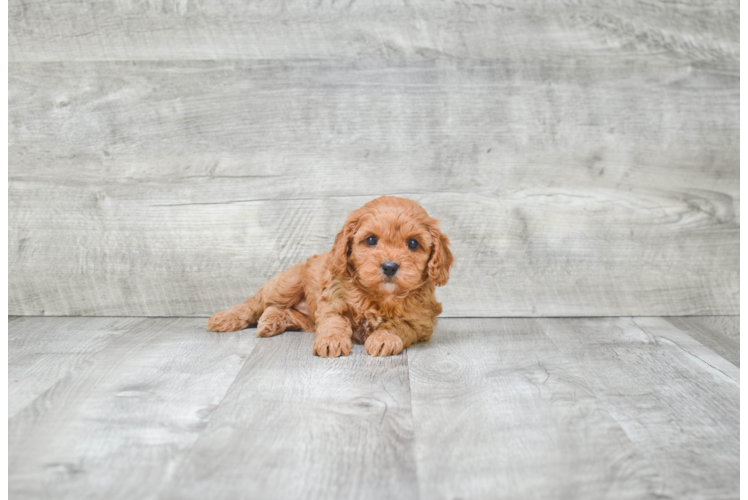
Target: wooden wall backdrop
<point x="169" y="156"/>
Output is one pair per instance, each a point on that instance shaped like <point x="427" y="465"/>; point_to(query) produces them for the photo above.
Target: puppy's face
<point x="393" y="246"/>
<point x="389" y="253"/>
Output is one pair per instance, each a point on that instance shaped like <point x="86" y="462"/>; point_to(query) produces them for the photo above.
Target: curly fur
<point x="343" y="295"/>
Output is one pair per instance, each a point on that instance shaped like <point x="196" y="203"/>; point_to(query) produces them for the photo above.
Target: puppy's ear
<point x="342" y="245"/>
<point x="441" y="257"/>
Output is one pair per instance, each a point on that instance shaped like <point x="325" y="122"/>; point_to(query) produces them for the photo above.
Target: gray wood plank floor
<point x="42" y="351"/>
<point x="490" y="408"/>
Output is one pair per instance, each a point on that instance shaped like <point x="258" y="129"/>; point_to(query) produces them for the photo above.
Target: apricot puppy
<point x="376" y="285"/>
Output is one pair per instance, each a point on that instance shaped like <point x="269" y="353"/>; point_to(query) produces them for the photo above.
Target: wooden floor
<point x="137" y="408"/>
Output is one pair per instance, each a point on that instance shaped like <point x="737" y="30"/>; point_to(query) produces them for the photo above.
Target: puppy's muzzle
<point x="390" y="268"/>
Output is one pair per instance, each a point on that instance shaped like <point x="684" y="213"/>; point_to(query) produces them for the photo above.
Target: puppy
<point x="376" y="285"/>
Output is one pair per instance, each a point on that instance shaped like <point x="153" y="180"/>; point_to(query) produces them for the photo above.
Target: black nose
<point x="389" y="268"/>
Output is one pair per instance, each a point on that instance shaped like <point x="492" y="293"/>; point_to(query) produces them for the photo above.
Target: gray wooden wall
<point x="167" y="157"/>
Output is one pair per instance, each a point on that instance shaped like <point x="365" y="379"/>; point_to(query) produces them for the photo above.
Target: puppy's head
<point x="392" y="246"/>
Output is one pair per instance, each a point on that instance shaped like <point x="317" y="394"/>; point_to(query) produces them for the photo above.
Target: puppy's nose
<point x="389" y="268"/>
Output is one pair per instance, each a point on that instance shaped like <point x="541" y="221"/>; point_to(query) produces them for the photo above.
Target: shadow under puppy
<point x="376" y="285"/>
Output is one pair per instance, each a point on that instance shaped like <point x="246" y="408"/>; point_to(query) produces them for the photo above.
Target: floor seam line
<point x="181" y="460"/>
<point x="413" y="421"/>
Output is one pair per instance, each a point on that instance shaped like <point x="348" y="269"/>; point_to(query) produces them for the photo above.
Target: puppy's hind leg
<point x="238" y="317"/>
<point x="283" y="291"/>
<point x="277" y="320"/>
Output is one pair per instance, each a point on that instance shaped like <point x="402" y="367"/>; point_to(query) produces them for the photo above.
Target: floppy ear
<point x="341" y="247"/>
<point x="441" y="257"/>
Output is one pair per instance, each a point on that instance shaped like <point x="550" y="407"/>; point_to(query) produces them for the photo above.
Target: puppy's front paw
<point x="383" y="343"/>
<point x="332" y="347"/>
<point x="227" y="321"/>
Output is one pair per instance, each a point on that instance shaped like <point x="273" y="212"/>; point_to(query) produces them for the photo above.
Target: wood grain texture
<point x="495" y="401"/>
<point x="511" y="408"/>
<point x="301" y="29"/>
<point x="743" y="263"/>
<point x="598" y="186"/>
<point x="677" y="400"/>
<point x="116" y="426"/>
<point x="297" y="426"/>
<point x="719" y="333"/>
<point x="41" y="351"/>
<point x="743" y="420"/>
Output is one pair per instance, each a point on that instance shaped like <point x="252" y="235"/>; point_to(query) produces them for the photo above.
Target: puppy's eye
<point x="412" y="244"/>
<point x="371" y="241"/>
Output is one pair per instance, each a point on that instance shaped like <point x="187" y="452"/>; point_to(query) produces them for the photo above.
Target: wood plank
<point x="133" y="30"/>
<point x="719" y="333"/>
<point x="662" y="330"/>
<point x="41" y="351"/>
<point x="500" y="125"/>
<point x="500" y="411"/>
<point x="678" y="401"/>
<point x="742" y="244"/>
<point x="117" y="425"/>
<point x="521" y="255"/>
<point x="138" y="189"/>
<point x="743" y="417"/>
<point x="297" y="426"/>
